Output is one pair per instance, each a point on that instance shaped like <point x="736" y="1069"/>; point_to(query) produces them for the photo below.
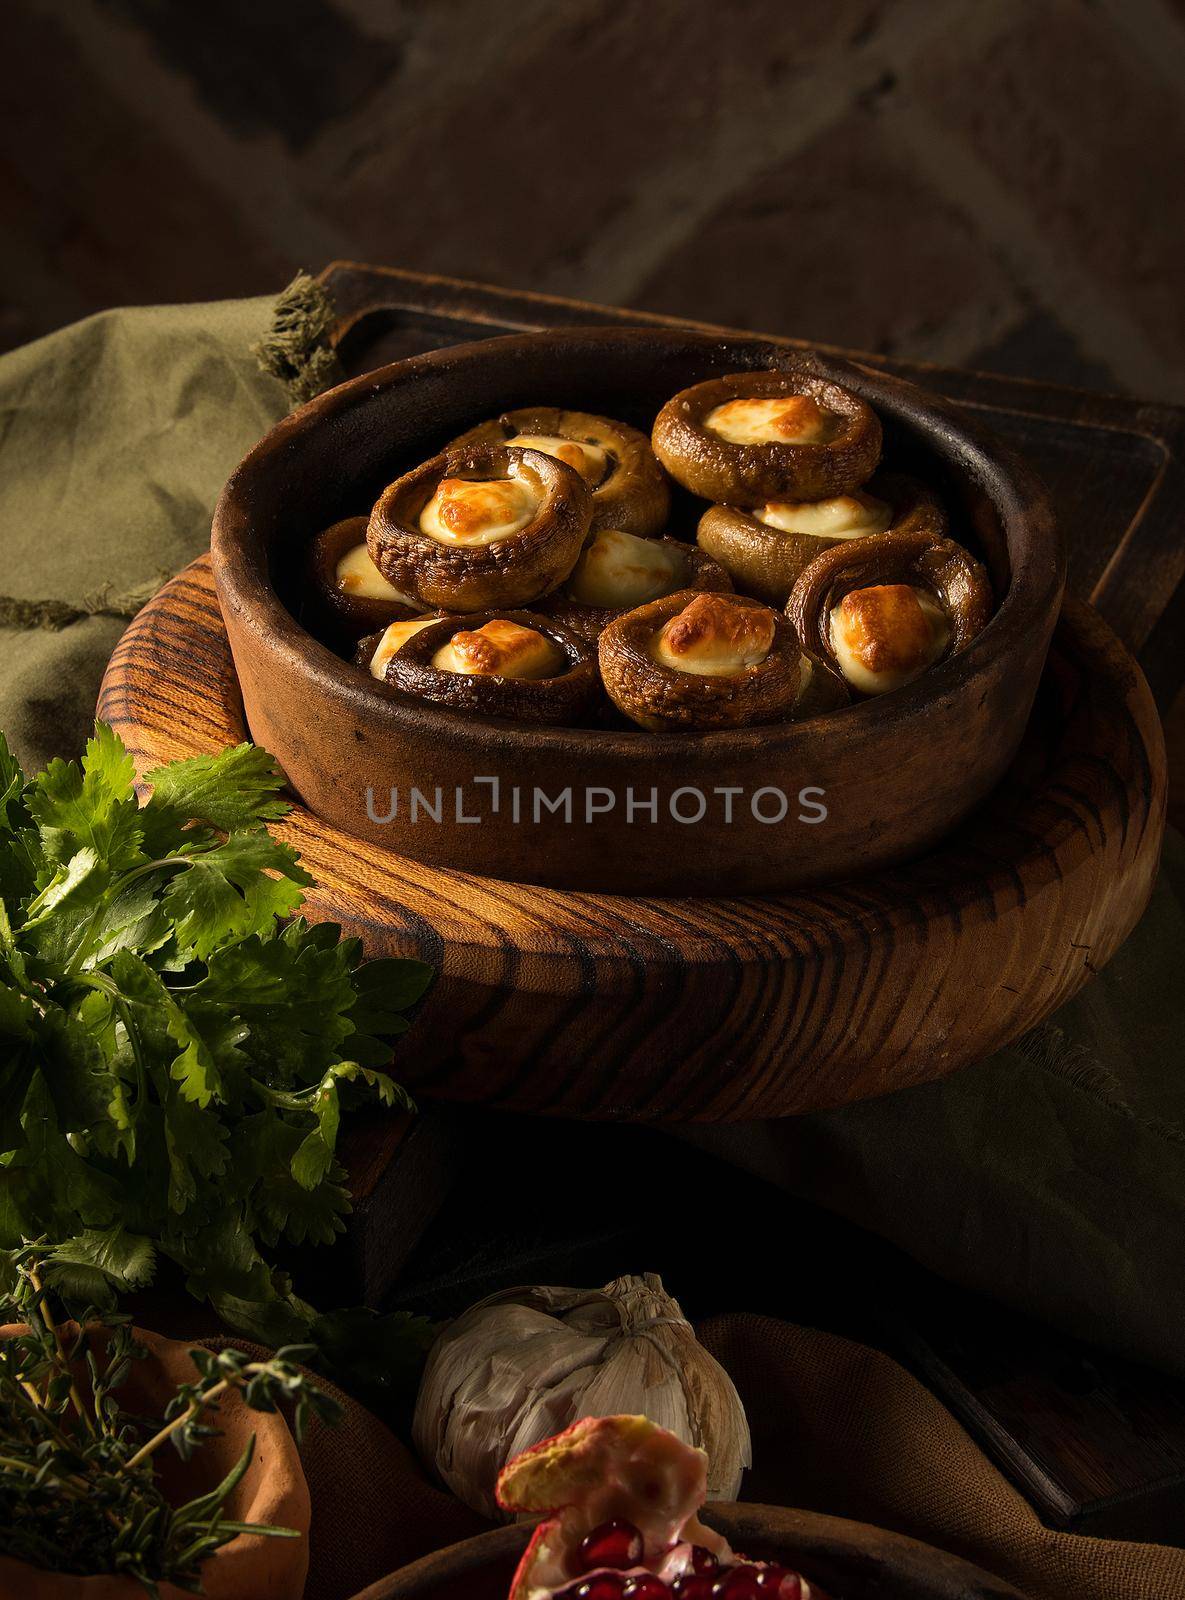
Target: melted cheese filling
<point x="619" y="569"/>
<point x="474" y="511"/>
<point x="500" y="649"/>
<point x="589" y="460"/>
<point x="848" y="516"/>
<point x="714" y="638"/>
<point x="785" y="419"/>
<point x="395" y="637"/>
<point x="887" y="635"/>
<point x="356" y="574"/>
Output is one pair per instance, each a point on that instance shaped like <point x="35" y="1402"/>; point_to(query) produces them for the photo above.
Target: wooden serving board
<point x="676" y="1009"/>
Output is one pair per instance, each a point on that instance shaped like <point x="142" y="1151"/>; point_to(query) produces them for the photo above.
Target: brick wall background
<point x="988" y="182"/>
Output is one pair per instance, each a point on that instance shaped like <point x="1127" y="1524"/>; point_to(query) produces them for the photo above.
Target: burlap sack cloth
<point x="1052" y="1175"/>
<point x="836" y="1428"/>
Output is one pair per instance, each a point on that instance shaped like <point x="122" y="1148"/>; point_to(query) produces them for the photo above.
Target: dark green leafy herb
<point x="78" y="1486"/>
<point x="175" y="1053"/>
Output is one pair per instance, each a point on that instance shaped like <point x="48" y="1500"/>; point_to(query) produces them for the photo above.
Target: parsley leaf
<point x="176" y="1055"/>
<point x="89" y="806"/>
<point x="237" y="788"/>
<point x="224" y="894"/>
<point x="86" y="1268"/>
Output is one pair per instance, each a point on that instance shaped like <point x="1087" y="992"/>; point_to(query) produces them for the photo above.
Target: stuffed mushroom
<point x="509" y="664"/>
<point x="773" y="435"/>
<point x="618" y="571"/>
<point x="346" y="594"/>
<point x="492" y="525"/>
<point x="629" y="489"/>
<point x="701" y="661"/>
<point x="765" y="548"/>
<point x="883" y="611"/>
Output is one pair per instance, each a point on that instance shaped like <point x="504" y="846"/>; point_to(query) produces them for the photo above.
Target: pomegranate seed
<point x="739" y="1584"/>
<point x="779" y="1582"/>
<point x="605" y="1586"/>
<point x="647" y="1587"/>
<point x="703" y="1560"/>
<point x="693" y="1586"/>
<point x="613" y="1544"/>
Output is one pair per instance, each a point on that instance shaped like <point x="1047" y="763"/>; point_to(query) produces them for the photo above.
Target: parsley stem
<point x="154" y="866"/>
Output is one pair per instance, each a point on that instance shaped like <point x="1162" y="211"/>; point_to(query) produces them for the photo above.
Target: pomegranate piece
<point x="620" y="1498"/>
<point x="613" y="1544"/>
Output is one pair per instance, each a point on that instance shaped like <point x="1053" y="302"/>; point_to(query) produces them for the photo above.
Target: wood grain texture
<point x="1114" y="466"/>
<point x="1095" y="1442"/>
<point x="851" y="1560"/>
<point x="606" y="1006"/>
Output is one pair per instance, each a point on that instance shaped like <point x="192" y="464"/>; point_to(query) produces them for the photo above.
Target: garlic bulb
<point x="524" y="1364"/>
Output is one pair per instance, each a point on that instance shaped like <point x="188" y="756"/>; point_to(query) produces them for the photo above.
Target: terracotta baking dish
<point x="645" y="813"/>
<point x="851" y="1560"/>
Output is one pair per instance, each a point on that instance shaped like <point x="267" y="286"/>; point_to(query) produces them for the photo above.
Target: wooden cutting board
<point x="597" y="1005"/>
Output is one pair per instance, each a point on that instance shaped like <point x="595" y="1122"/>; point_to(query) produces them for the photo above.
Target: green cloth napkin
<point x="116" y="435"/>
<point x="1051" y="1175"/>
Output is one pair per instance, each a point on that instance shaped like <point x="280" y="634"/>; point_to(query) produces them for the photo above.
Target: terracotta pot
<point x="897" y="772"/>
<point x="273" y="1490"/>
<point x="850" y="1560"/>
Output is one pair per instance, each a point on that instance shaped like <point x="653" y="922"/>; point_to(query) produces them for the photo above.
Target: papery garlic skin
<point x="522" y="1365"/>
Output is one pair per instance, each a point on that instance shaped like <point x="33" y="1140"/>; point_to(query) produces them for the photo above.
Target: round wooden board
<point x="694" y="1009"/>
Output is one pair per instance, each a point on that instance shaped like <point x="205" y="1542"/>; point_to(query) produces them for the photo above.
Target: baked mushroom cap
<point x="881" y="611"/>
<point x="514" y="665"/>
<point x="491" y="525"/>
<point x="373" y="652"/>
<point x="696" y="661"/>
<point x="619" y="571"/>
<point x="764" y="549"/>
<point x="629" y="489"/>
<point x="757" y="436"/>
<point x="346" y="594"/>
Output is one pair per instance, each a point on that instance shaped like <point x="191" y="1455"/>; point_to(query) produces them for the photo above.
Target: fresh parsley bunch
<point x="174" y="1051"/>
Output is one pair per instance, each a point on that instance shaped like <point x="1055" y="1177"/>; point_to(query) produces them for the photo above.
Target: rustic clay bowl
<point x="847" y="1559"/>
<point x="272" y="1491"/>
<point x="895" y="773"/>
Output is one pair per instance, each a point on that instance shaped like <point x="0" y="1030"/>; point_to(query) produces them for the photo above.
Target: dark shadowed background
<point x="985" y="182"/>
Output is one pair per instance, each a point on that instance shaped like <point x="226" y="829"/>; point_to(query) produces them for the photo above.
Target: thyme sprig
<point x="79" y="1491"/>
